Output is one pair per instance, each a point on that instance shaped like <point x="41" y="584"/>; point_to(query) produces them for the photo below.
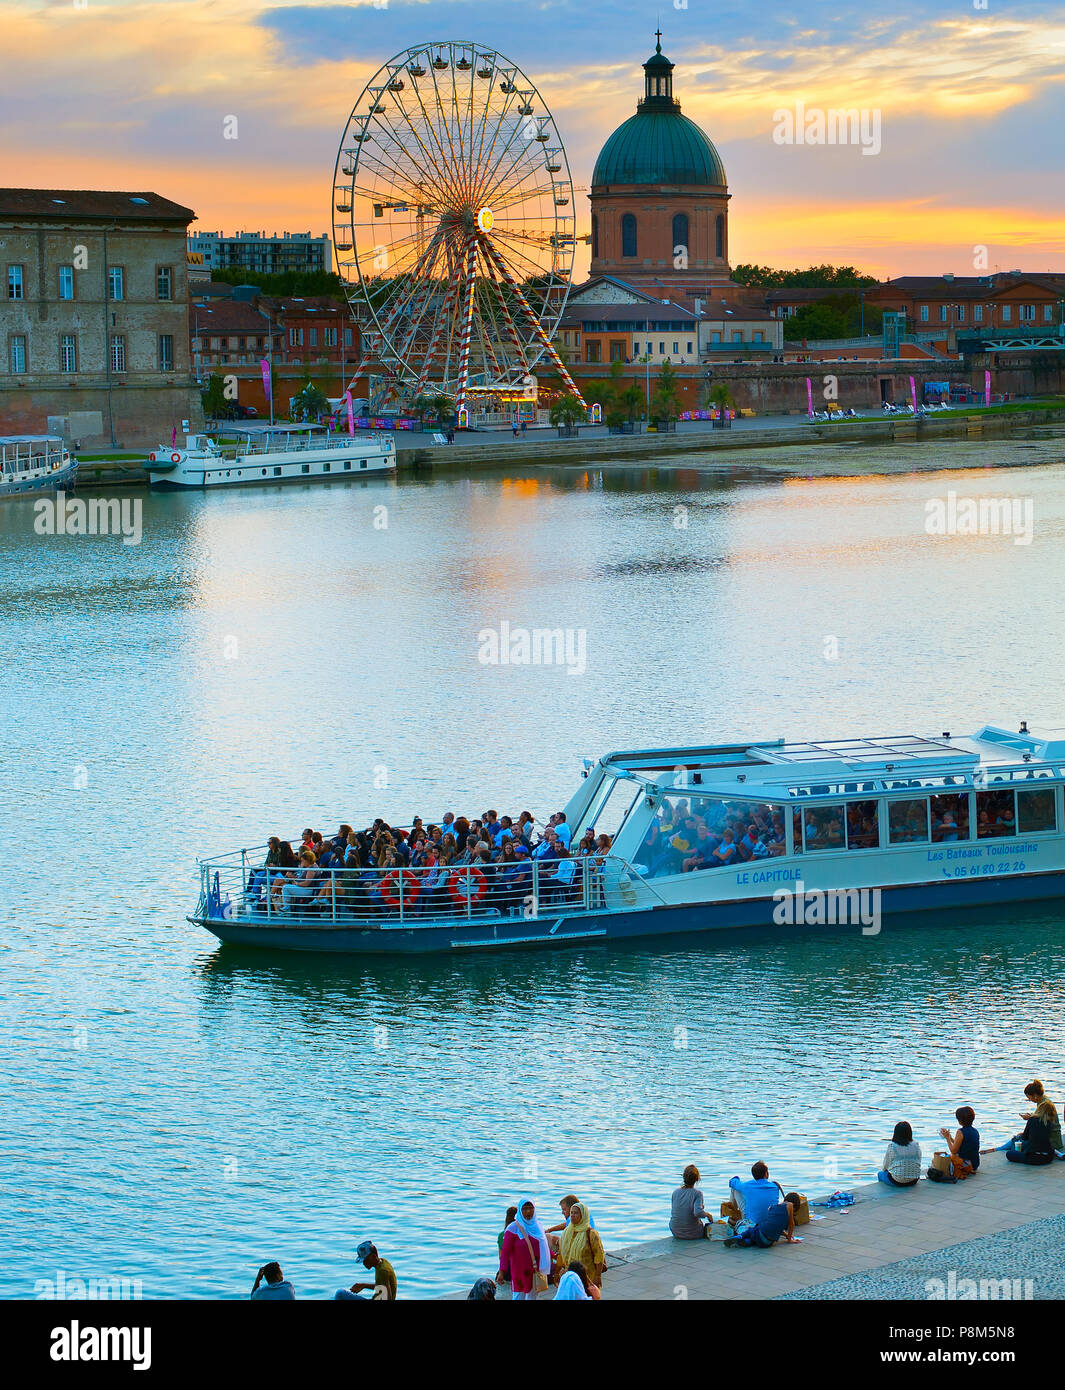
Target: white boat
<point x="270" y="454"/>
<point x="839" y="833"/>
<point x="35" y="463"/>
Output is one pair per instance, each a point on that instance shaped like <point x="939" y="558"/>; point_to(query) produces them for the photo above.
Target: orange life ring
<point x="175" y="458"/>
<point x="392" y="880"/>
<point x="151" y="458"/>
<point x="476" y="887"/>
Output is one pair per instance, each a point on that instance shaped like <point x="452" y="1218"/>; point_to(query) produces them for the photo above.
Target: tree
<point x="309" y="403"/>
<point x="720" y="397"/>
<point x="291" y="282"/>
<point x="434" y="403"/>
<point x="813" y="277"/>
<point x="215" y="401"/>
<point x="567" y="410"/>
<point x="666" y="402"/>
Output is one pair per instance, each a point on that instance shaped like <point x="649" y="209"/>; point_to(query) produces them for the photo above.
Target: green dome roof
<point x="659" y="147"/>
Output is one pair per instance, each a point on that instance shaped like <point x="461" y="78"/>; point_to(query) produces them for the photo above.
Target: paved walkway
<point x="881" y="1245"/>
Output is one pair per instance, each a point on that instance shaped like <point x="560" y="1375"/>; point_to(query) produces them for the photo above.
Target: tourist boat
<point x="851" y="830"/>
<point x="35" y="463"/>
<point x="281" y="454"/>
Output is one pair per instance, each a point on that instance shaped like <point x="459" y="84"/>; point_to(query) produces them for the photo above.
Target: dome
<point x="659" y="147"/>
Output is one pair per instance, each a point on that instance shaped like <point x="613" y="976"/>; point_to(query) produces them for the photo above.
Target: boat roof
<point x="266" y="428"/>
<point x="31" y="439"/>
<point x="776" y="769"/>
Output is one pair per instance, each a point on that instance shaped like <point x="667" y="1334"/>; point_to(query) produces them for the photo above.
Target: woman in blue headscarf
<point x="526" y="1257"/>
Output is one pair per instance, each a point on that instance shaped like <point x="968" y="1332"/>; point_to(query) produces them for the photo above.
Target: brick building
<point x="94" y="316"/>
<point x="313" y="337"/>
<point x="659" y="198"/>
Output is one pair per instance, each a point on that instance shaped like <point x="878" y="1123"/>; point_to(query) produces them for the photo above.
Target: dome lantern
<point x="658" y="81"/>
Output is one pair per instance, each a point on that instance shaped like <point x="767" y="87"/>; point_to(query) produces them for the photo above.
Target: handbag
<point x="538" y="1276"/>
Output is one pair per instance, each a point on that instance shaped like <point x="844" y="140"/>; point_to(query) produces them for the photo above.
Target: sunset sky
<point x="133" y="94"/>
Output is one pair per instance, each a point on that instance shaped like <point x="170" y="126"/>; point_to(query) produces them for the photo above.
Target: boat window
<point x="907" y="822"/>
<point x="950" y="817"/>
<point x="305" y="467"/>
<point x="863" y="825"/>
<point x="824" y="827"/>
<point x="995" y="818"/>
<point x="796" y="830"/>
<point x="711" y="832"/>
<point x="277" y="472"/>
<point x="1036" y="811"/>
<point x="610" y="808"/>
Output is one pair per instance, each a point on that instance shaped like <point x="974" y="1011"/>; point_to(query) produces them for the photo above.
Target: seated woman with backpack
<point x="1039" y="1142"/>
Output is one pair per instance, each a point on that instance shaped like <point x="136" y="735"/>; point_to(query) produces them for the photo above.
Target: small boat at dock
<point x="270" y="454"/>
<point x="835" y="833"/>
<point x="31" y="464"/>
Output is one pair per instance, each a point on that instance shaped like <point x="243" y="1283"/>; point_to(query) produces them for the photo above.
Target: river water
<point x="178" y="1113"/>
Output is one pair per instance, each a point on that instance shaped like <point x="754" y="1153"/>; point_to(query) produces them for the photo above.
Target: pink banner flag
<point x="351" y="412"/>
<point x="987" y="388"/>
<point x="264" y="363"/>
<point x="913" y="394"/>
<point x="809" y="398"/>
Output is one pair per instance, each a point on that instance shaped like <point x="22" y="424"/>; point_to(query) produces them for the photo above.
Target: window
<point x="617" y="352"/>
<point x="14" y="282"/>
<point x="796" y="831"/>
<point x="628" y="235"/>
<point x="166" y="352"/>
<point x="719" y="237"/>
<point x="348" y="337"/>
<point x="66" y="282"/>
<point x="737" y="335"/>
<point x="950" y="818"/>
<point x="18" y="354"/>
<point x="164" y="282"/>
<point x="823" y="827"/>
<point x="1048" y="313"/>
<point x="924" y="313"/>
<point x="118" y="353"/>
<point x="329" y="337"/>
<point x="715" y="336"/>
<point x="295" y="337"/>
<point x="595" y="236"/>
<point x="680" y="233"/>
<point x="688" y="348"/>
<point x="676" y="347"/>
<point x="116" y="282"/>
<point x="1007" y="313"/>
<point x="757" y="336"/>
<point x="662" y="349"/>
<point x="68" y="353"/>
<point x="1026" y="313"/>
<point x="995" y="815"/>
<point x="591" y="352"/>
<point x="312" y="340"/>
<point x="978" y="313"/>
<point x="863" y="825"/>
<point x="907" y="822"/>
<point x="1036" y="811"/>
<point x="961" y="313"/>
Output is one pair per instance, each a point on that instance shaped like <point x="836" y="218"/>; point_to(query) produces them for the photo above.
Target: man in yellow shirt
<point x="384" y="1283"/>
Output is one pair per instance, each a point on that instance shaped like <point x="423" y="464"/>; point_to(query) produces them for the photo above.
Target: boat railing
<point x="280" y="442"/>
<point x="238" y="886"/>
<point x="21" y="456"/>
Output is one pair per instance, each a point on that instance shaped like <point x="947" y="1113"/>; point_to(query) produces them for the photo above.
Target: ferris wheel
<point x="453" y="224"/>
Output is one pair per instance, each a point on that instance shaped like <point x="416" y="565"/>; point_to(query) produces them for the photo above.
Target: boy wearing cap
<point x="384" y="1284"/>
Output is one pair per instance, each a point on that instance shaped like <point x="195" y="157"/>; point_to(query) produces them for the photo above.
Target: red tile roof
<point x="91" y="205"/>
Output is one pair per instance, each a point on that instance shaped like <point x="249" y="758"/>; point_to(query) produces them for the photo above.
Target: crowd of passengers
<point x="436" y="870"/>
<point x="688" y="835"/>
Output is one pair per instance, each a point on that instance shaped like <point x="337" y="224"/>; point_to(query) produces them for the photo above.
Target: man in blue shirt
<point x="754" y="1198"/>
